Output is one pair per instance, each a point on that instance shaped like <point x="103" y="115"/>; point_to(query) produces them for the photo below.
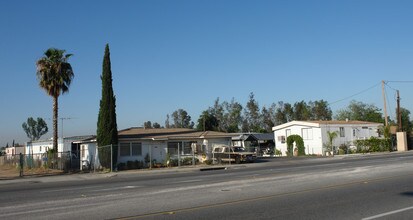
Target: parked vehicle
<point x="232" y="154"/>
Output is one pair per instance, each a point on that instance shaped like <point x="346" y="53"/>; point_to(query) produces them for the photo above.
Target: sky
<point x="171" y="54"/>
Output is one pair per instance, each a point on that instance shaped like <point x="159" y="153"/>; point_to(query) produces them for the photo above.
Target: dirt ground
<point x="11" y="172"/>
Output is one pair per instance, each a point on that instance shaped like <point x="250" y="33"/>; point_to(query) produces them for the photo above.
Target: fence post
<point x="193" y="154"/>
<point x="150" y="156"/>
<point x="21" y="165"/>
<point x="179" y="156"/>
<point x="94" y="162"/>
<point x="111" y="158"/>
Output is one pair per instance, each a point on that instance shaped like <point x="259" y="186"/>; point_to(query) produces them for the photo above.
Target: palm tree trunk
<point x="55" y="115"/>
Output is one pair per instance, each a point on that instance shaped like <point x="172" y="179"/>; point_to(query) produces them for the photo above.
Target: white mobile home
<point x="137" y="143"/>
<point x="314" y="133"/>
<point x="67" y="145"/>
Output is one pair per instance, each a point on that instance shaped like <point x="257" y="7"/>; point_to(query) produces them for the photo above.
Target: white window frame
<point x="307" y="133"/>
<point x="139" y="149"/>
<point x="287" y="133"/>
<point x="342" y="132"/>
<point x="130" y="149"/>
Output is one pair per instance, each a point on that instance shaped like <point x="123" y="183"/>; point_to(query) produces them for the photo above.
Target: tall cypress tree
<point x="107" y="129"/>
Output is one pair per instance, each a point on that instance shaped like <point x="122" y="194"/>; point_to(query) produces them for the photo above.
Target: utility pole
<point x="62" y="124"/>
<point x="385" y="103"/>
<point x="399" y="115"/>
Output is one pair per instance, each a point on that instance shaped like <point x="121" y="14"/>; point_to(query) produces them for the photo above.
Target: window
<point x="342" y="134"/>
<point x="281" y="139"/>
<point x="307" y="133"/>
<point x="217" y="150"/>
<point x="173" y="148"/>
<point x="82" y="148"/>
<point x="287" y="132"/>
<point x="200" y="149"/>
<point x="136" y="149"/>
<point x="130" y="149"/>
<point x="185" y="148"/>
<point x="188" y="147"/>
<point x="124" y="149"/>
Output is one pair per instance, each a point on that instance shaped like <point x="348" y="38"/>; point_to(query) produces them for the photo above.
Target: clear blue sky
<point x="185" y="53"/>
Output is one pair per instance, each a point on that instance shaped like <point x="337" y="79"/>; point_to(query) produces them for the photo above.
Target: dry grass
<point x="11" y="172"/>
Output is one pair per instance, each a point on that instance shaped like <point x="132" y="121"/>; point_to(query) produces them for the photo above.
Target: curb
<point x="212" y="168"/>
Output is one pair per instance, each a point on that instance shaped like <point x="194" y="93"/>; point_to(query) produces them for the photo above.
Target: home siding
<point x="360" y="132"/>
<point x="312" y="143"/>
<point x="155" y="149"/>
<point x="88" y="153"/>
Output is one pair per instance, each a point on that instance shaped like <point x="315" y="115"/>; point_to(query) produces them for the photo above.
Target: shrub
<point x="208" y="162"/>
<point x="147" y="159"/>
<point x="299" y="143"/>
<point x="372" y="144"/>
<point x="343" y="149"/>
<point x="122" y="166"/>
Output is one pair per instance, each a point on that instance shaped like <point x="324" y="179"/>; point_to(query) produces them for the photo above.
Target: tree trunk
<point x="55" y="115"/>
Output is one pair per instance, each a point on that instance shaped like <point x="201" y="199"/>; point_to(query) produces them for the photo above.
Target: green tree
<point x="156" y="125"/>
<point x="385" y="130"/>
<point x="207" y="122"/>
<point x="147" y="124"/>
<point x="267" y="119"/>
<point x="182" y="119"/>
<point x="252" y="116"/>
<point x="331" y="135"/>
<point x="217" y="111"/>
<point x="34" y="129"/>
<point x="320" y="110"/>
<point x="232" y="116"/>
<point x="302" y="111"/>
<point x="107" y="129"/>
<point x="55" y="75"/>
<point x="361" y="112"/>
<point x="406" y="123"/>
<point x="284" y="113"/>
<point x="167" y="123"/>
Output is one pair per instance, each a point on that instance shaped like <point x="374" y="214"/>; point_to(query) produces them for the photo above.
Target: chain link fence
<point x="106" y="157"/>
<point x="32" y="164"/>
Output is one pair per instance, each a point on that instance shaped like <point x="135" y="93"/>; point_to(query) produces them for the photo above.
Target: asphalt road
<point x="357" y="187"/>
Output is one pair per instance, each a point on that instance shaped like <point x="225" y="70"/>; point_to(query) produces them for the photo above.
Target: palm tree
<point x="55" y="75"/>
<point x="331" y="136"/>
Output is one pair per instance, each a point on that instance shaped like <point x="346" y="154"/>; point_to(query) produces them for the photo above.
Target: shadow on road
<point x="407" y="193"/>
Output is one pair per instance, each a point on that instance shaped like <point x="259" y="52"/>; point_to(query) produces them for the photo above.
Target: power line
<point x="401" y="81"/>
<point x="390" y="87"/>
<point x="388" y="102"/>
<point x="356" y="94"/>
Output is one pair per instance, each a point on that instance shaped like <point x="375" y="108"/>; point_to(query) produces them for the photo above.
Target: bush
<point x="278" y="152"/>
<point x="372" y="144"/>
<point x="299" y="144"/>
<point x="343" y="149"/>
<point x="122" y="166"/>
<point x="184" y="161"/>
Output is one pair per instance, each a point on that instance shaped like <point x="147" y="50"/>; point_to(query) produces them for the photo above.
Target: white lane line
<point x="388" y="213"/>
<point x="114" y="188"/>
<point x="68" y="189"/>
<point x="189" y="181"/>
